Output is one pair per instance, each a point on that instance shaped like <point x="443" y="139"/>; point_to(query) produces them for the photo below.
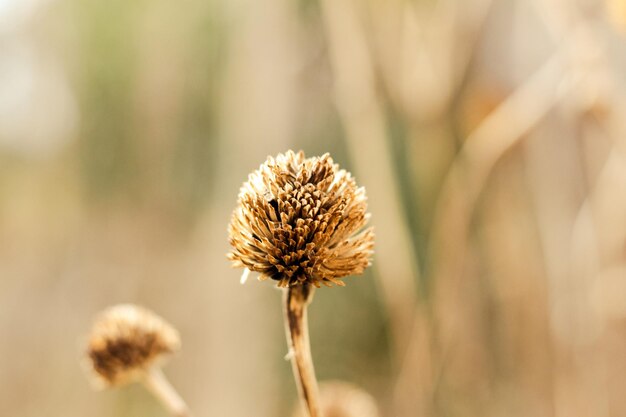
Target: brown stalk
<point x="295" y="301"/>
<point x="156" y="382"/>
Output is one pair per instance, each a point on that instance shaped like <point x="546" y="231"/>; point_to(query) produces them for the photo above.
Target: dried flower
<point x="125" y="341"/>
<point x="340" y="399"/>
<point x="300" y="220"/>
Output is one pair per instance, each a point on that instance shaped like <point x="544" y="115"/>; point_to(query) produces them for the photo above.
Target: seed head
<point x="300" y="220"/>
<point x="340" y="399"/>
<point x="125" y="341"/>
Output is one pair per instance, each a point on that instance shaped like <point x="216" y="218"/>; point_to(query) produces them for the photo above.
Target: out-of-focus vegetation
<point x="490" y="136"/>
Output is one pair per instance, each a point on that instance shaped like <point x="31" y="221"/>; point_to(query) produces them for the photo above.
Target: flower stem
<point x="156" y="382"/>
<point x="296" y="298"/>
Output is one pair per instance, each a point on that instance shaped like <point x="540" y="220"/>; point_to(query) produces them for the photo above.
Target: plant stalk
<point x="156" y="382"/>
<point x="295" y="301"/>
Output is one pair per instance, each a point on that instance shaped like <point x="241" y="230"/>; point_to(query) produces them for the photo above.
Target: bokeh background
<point x="490" y="136"/>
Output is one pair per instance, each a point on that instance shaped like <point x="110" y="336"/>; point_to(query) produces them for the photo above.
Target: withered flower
<point x="300" y="220"/>
<point x="341" y="399"/>
<point x="129" y="343"/>
<point x="126" y="340"/>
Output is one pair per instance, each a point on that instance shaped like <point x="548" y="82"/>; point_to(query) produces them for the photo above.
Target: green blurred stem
<point x="156" y="382"/>
<point x="296" y="299"/>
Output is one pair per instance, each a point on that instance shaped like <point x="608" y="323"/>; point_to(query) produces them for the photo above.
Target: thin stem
<point x="156" y="382"/>
<point x="296" y="299"/>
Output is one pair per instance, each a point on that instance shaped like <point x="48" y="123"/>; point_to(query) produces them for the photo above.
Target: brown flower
<point x="300" y="220"/>
<point x="341" y="399"/>
<point x="125" y="341"/>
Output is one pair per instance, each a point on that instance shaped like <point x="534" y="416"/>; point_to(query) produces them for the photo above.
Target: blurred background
<point x="490" y="136"/>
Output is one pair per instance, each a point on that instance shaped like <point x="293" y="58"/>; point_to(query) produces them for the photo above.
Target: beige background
<point x="490" y="138"/>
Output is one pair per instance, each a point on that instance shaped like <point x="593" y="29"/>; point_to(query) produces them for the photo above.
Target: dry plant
<point x="341" y="399"/>
<point x="300" y="222"/>
<point x="490" y="137"/>
<point x="129" y="343"/>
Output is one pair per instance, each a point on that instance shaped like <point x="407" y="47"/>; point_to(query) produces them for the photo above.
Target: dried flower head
<point x="125" y="341"/>
<point x="300" y="220"/>
<point x="340" y="399"/>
